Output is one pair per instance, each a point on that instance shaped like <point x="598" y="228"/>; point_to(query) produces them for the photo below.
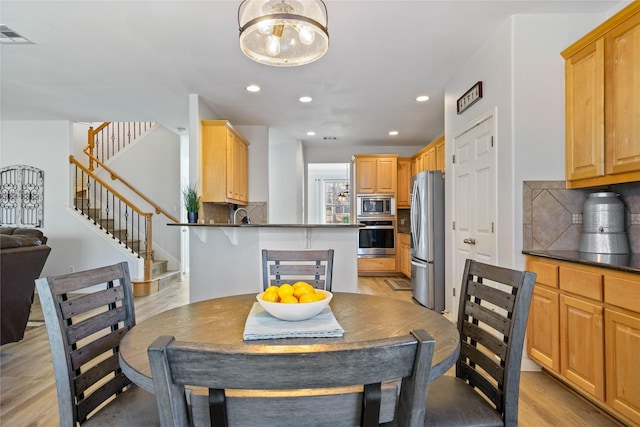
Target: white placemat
<point x="261" y="325"/>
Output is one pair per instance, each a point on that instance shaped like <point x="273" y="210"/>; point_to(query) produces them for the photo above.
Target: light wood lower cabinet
<point x="404" y="254"/>
<point x="622" y="332"/>
<point x="584" y="328"/>
<point x="582" y="344"/>
<point x="376" y="265"/>
<point x="543" y="341"/>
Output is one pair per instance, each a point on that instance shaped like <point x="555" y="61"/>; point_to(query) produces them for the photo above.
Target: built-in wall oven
<point x="377" y="238"/>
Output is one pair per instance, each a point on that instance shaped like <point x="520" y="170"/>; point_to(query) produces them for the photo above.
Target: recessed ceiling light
<point x="306" y="99"/>
<point x="311" y="133"/>
<point x="393" y="132"/>
<point x="253" y="88"/>
<point x="422" y="98"/>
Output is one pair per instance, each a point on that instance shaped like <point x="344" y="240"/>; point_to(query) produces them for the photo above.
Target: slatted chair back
<point x="87" y="314"/>
<point x="312" y="266"/>
<point x="288" y="370"/>
<point x="492" y="318"/>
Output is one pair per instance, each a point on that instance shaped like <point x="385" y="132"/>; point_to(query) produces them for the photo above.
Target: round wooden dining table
<point x="364" y="318"/>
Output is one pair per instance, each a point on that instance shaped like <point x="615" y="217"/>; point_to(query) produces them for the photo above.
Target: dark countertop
<point x="629" y="263"/>
<point x="182" y="224"/>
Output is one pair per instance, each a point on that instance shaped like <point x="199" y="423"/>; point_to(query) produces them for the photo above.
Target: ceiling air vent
<point x="330" y="138"/>
<point x="7" y="35"/>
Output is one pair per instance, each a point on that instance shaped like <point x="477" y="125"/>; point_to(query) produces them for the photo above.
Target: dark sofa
<point x="22" y="257"/>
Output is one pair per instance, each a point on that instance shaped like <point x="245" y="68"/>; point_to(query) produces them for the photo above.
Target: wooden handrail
<point x="108" y="187"/>
<point x="115" y="176"/>
<point x="148" y="261"/>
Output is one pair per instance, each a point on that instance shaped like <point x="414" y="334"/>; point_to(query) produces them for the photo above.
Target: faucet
<point x="245" y="220"/>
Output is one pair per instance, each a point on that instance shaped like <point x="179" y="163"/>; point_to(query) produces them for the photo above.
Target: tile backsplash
<point x="220" y="213"/>
<point x="552" y="214"/>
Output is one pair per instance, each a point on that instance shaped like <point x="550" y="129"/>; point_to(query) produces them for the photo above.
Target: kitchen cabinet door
<point x="223" y="168"/>
<point x="622" y="99"/>
<point x="623" y="370"/>
<point x="543" y="328"/>
<point x="386" y="175"/>
<point x="376" y="174"/>
<point x="403" y="199"/>
<point x="404" y="254"/>
<point x="584" y="115"/>
<point x="440" y="159"/>
<point x="582" y="344"/>
<point x="365" y="175"/>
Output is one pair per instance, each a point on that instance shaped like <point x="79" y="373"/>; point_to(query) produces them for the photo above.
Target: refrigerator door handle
<point x="419" y="265"/>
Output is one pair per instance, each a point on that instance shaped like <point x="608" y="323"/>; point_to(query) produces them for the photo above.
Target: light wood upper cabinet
<point x="602" y="103"/>
<point x="224" y="164"/>
<point x="584" y="99"/>
<point x="622" y="103"/>
<point x="403" y="198"/>
<point x="440" y="160"/>
<point x="376" y="174"/>
<point x="430" y="157"/>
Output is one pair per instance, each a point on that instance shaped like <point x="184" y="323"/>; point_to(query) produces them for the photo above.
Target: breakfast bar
<point x="225" y="259"/>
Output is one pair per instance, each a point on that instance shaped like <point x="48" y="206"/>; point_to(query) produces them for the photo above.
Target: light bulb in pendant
<point x="265" y="27"/>
<point x="273" y="45"/>
<point x="306" y="34"/>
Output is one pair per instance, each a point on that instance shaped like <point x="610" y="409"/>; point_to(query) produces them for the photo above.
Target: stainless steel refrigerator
<point x="427" y="239"/>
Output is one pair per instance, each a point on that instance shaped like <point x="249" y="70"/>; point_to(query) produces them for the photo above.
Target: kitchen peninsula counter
<point x="226" y="259"/>
<point x="318" y="226"/>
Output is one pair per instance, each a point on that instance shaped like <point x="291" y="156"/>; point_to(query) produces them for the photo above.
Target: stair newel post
<point x="148" y="262"/>
<point x="91" y="143"/>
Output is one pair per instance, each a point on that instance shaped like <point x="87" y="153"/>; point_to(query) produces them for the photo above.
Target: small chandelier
<point x="344" y="194"/>
<point x="283" y="33"/>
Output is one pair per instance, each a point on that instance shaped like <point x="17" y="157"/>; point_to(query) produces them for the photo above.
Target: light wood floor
<point x="28" y="394"/>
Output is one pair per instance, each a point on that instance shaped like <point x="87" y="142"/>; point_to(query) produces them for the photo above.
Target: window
<point x="336" y="208"/>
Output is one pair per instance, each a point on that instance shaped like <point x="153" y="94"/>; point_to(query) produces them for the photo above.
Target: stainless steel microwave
<point x="376" y="206"/>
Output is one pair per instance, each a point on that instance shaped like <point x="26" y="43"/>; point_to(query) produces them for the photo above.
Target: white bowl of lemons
<point x="294" y="302"/>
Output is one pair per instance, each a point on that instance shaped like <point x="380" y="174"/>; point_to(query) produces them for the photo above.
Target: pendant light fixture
<point x="283" y="33"/>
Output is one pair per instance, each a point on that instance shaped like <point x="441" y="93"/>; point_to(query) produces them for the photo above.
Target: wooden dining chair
<point x="491" y="321"/>
<point x="86" y="314"/>
<point x="295" y="385"/>
<point x="312" y="266"/>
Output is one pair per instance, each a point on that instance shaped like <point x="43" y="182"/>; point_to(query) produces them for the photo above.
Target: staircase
<point x="125" y="223"/>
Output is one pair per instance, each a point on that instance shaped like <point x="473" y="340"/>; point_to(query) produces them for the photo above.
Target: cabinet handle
<point x="470" y="241"/>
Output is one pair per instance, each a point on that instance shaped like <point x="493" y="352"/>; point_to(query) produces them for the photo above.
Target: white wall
<point x="523" y="83"/>
<point x="258" y="137"/>
<point x="286" y="180"/>
<point x="152" y="166"/>
<point x="46" y="145"/>
<point x="336" y="153"/>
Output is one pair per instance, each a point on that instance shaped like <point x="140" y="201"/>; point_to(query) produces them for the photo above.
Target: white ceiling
<point x="95" y="61"/>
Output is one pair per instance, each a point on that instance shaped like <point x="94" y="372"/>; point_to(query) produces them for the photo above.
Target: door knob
<point x="470" y="241"/>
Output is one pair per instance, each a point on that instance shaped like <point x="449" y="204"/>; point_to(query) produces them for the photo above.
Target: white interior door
<point x="475" y="198"/>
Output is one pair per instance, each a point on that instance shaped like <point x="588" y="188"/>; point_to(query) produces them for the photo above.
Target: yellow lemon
<point x="303" y="290"/>
<point x="319" y="295"/>
<point x="308" y="298"/>
<point x="271" y="288"/>
<point x="285" y="290"/>
<point x="295" y="285"/>
<point x="289" y="299"/>
<point x="271" y="296"/>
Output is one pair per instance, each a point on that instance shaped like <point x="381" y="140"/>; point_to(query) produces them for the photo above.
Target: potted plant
<point x="191" y="203"/>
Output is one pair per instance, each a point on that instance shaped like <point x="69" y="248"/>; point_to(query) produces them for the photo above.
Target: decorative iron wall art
<point x="22" y="196"/>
